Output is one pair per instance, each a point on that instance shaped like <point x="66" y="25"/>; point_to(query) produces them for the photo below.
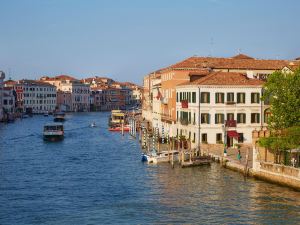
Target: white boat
<point x="93" y="124"/>
<point x="53" y="132"/>
<point x="163" y="156"/>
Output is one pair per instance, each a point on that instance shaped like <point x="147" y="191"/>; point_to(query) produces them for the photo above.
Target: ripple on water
<point x="96" y="177"/>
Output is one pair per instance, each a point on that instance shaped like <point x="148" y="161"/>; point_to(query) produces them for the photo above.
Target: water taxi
<point x="53" y="132"/>
<point x="59" y="117"/>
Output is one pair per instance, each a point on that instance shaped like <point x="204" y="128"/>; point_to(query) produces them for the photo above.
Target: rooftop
<point x="225" y="78"/>
<point x="239" y="61"/>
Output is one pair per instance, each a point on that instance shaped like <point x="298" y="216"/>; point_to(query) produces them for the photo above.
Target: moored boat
<point x="53" y="132"/>
<point x="126" y="128"/>
<point x="164" y="156"/>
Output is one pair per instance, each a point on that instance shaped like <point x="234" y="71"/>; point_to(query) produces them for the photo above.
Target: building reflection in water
<point x="205" y="194"/>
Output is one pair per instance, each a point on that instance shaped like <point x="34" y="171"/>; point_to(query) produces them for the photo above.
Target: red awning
<point x="233" y="133"/>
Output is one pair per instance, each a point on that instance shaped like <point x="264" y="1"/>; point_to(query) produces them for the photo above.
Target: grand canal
<point x="96" y="177"/>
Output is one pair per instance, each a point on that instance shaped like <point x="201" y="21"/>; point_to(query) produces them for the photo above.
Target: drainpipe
<point x="199" y="121"/>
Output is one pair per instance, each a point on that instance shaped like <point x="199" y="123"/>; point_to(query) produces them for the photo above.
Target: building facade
<point x="2" y="77"/>
<point x="35" y="96"/>
<point x="220" y="108"/>
<point x="80" y="92"/>
<point x="195" y="68"/>
<point x="9" y="100"/>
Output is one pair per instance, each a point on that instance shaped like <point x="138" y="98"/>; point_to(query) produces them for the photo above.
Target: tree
<point x="282" y="91"/>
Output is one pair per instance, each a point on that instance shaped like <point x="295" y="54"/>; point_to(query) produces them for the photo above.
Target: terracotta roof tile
<point x="239" y="62"/>
<point x="225" y="78"/>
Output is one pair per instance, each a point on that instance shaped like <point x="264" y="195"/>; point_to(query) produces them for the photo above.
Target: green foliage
<point x="282" y="90"/>
<point x="280" y="141"/>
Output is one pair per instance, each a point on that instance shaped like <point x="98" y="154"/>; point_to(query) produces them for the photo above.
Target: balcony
<point x="167" y="118"/>
<point x="184" y="104"/>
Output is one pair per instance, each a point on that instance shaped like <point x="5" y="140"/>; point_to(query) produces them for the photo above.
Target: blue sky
<point x="126" y="39"/>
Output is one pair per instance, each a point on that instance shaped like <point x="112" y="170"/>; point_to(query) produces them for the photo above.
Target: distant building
<point x="35" y="96"/>
<point x="9" y="100"/>
<point x="98" y="99"/>
<point x="64" y="101"/>
<point x="2" y="76"/>
<point x="80" y="92"/>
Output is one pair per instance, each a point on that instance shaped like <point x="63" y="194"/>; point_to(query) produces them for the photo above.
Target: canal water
<point x="96" y="177"/>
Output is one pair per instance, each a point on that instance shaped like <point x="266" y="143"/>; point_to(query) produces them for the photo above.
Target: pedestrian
<point x="239" y="156"/>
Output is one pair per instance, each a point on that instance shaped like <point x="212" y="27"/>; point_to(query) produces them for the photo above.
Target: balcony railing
<point x="166" y="117"/>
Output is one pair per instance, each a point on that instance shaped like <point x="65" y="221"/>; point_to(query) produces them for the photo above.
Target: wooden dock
<point x="197" y="161"/>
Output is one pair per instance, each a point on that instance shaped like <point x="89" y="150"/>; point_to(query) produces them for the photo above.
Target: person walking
<point x="239" y="156"/>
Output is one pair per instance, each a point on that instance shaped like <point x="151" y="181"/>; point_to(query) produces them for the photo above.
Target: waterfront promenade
<point x="96" y="177"/>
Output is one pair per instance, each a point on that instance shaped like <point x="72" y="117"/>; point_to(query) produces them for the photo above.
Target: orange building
<point x="196" y="67"/>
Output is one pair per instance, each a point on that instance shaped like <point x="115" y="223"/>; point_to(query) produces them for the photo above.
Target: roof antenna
<point x="211" y="46"/>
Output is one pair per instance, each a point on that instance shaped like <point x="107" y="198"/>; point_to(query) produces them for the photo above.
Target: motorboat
<point x="117" y="117"/>
<point x="59" y="117"/>
<point x="93" y="124"/>
<point x="53" y="132"/>
<point x="163" y="156"/>
<point x="46" y="114"/>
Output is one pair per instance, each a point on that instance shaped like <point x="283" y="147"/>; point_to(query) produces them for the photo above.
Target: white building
<point x="204" y="105"/>
<point x="80" y="92"/>
<point x="9" y="100"/>
<point x="2" y="76"/>
<point x="36" y="96"/>
<point x="80" y="95"/>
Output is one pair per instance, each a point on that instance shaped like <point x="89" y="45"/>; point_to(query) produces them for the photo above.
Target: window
<point x="205" y="118"/>
<point x="194" y="138"/>
<point x="219" y="138"/>
<point x="204" y="138"/>
<point x="193" y="97"/>
<point x="241" y="118"/>
<point x="205" y="97"/>
<point x="180" y="99"/>
<point x="241" y="98"/>
<point x="255" y="98"/>
<point x="177" y="100"/>
<point x="254" y="117"/>
<point x="219" y="118"/>
<point x="219" y="97"/>
<point x="230" y="97"/>
<point x="194" y="118"/>
<point x="230" y="116"/>
<point x="241" y="138"/>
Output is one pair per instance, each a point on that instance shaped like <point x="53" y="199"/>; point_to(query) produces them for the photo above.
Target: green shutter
<point x="208" y="97"/>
